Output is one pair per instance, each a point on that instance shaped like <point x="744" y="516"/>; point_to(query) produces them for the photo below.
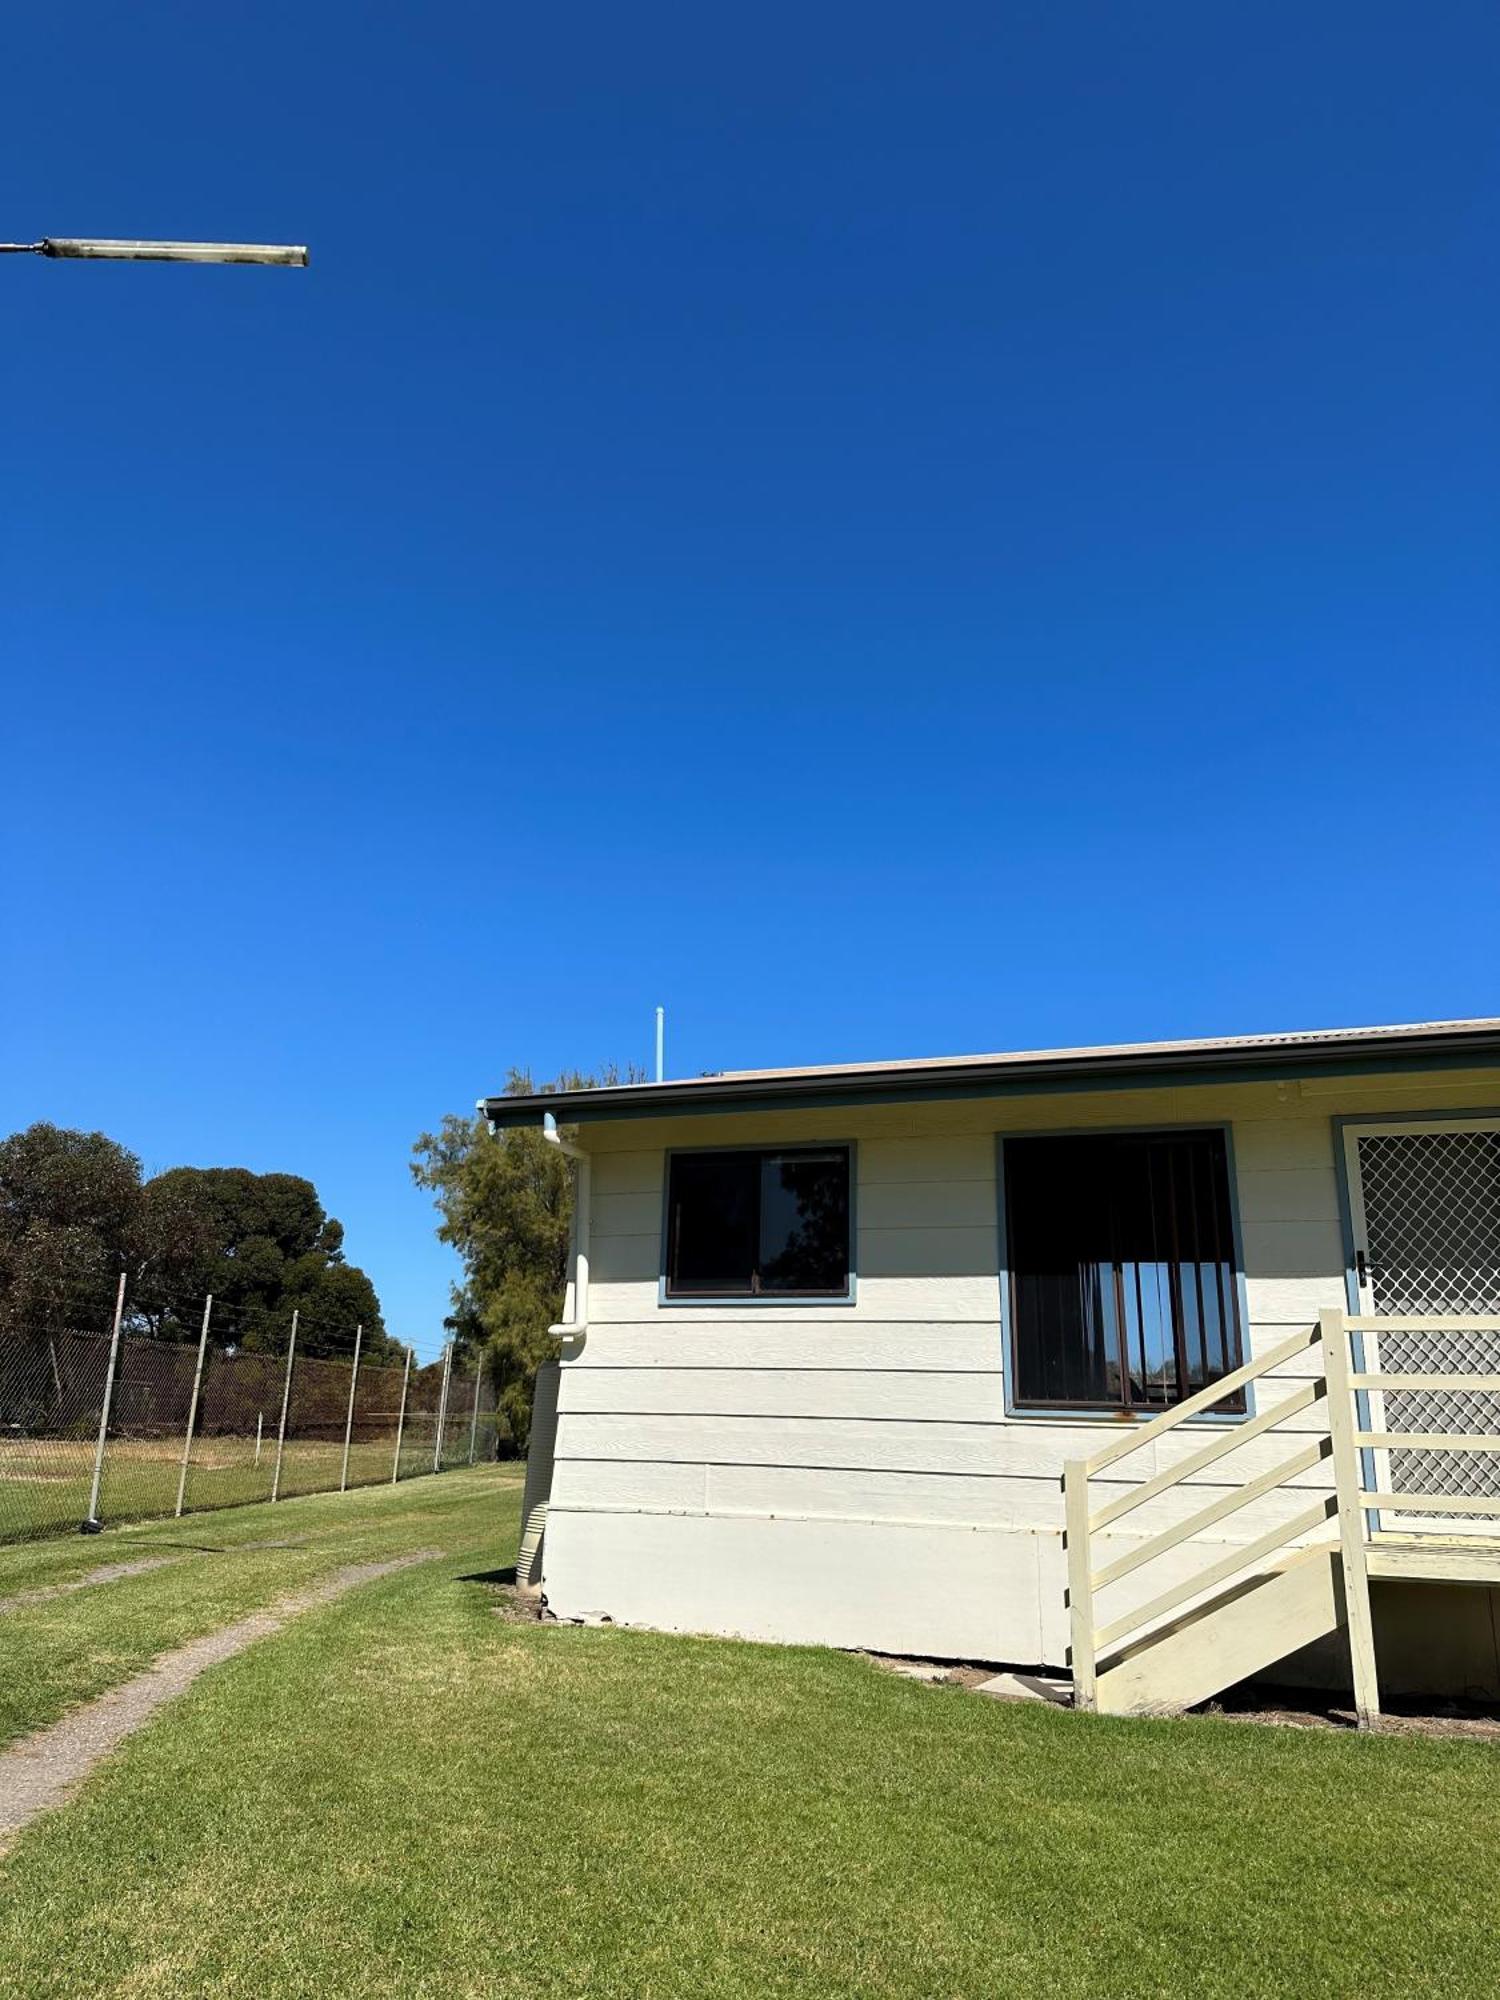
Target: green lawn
<point x="45" y="1482"/>
<point x="402" y="1795"/>
<point x="62" y="1651"/>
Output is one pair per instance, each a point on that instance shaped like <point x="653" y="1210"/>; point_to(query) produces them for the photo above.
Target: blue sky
<point x="892" y="531"/>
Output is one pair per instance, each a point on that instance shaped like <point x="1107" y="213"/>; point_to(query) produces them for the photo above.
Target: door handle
<point x="1362" y="1267"/>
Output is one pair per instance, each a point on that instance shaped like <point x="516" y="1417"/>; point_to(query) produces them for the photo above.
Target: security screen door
<point x="1425" y="1205"/>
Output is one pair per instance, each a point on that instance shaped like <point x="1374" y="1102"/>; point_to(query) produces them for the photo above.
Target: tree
<point x="75" y="1213"/>
<point x="264" y="1246"/>
<point x="506" y="1202"/>
<point x="69" y="1203"/>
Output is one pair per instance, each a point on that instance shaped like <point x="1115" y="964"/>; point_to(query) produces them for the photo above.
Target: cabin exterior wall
<point x="854" y="1474"/>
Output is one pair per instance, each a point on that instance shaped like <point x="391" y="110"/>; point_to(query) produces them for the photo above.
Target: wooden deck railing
<point x="1356" y="1441"/>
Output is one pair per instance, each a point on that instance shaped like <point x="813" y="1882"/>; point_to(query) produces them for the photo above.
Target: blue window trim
<point x="759" y="1301"/>
<point x="1116" y="1420"/>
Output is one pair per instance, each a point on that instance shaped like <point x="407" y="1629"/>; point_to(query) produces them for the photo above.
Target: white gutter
<point x="575" y="1320"/>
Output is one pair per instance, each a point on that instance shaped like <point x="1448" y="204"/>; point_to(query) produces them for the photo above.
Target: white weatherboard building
<point x="834" y="1335"/>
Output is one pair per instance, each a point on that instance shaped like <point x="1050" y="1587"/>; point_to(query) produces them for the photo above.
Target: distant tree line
<point x="506" y="1202"/>
<point x="76" y="1211"/>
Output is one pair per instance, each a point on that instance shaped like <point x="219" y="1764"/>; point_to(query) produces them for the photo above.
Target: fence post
<point x="349" y="1420"/>
<point x="187" y="1442"/>
<point x="401" y="1420"/>
<point x="260" y="1419"/>
<point x="286" y="1398"/>
<point x="442" y="1411"/>
<point x="90" y="1523"/>
<point x="474" y="1419"/>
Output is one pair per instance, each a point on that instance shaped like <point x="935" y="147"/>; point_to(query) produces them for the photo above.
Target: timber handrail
<point x="1082" y="1523"/>
<point x="1355" y="1436"/>
<point x="1202" y="1400"/>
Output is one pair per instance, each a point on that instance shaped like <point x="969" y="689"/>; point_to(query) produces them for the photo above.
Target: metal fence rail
<point x="111" y="1425"/>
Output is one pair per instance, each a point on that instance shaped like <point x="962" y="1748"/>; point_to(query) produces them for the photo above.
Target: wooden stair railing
<point x="1088" y="1638"/>
<point x="1357" y="1442"/>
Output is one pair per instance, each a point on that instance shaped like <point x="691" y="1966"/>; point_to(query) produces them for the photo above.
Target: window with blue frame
<point x="1123" y="1288"/>
<point x="752" y="1224"/>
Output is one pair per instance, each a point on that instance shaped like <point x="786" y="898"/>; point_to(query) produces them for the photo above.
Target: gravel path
<point x="44" y="1770"/>
<point x="106" y="1573"/>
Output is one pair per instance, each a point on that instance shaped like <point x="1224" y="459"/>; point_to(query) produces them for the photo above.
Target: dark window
<point x="1122" y="1280"/>
<point x="749" y="1224"/>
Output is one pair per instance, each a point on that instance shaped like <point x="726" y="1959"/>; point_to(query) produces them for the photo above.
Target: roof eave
<point x="1125" y="1069"/>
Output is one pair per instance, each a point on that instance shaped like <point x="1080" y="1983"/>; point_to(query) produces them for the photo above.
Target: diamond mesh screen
<point x="1432" y="1230"/>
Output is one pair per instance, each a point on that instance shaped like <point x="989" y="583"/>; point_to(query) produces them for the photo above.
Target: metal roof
<point x="1331" y="1051"/>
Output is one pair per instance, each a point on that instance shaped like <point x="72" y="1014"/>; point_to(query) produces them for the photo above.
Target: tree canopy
<point x="506" y="1203"/>
<point x="76" y="1211"/>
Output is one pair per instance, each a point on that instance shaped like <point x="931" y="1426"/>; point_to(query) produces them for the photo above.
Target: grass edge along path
<point x="41" y="1772"/>
<point x="401" y="1793"/>
<point x="73" y="1643"/>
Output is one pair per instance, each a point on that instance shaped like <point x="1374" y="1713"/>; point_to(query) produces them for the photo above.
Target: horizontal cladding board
<point x="895" y="1499"/>
<point x="960" y="1501"/>
<point x="639" y="1171"/>
<point x="637" y="1213"/>
<point x="1281" y="1145"/>
<point x="612" y="1483"/>
<point x="1014" y="1449"/>
<point x="763" y="1340"/>
<point x="1278" y="1251"/>
<point x="926" y="1204"/>
<point x="947" y="1252"/>
<point x="917" y="1394"/>
<point x="1292" y="1269"/>
<point x="1293" y="1302"/>
<point x="1288" y="1194"/>
<point x="924" y="1300"/>
<point x="894" y="1445"/>
<point x="767" y="1340"/>
<point x="929" y="1251"/>
<point x="966" y="1156"/>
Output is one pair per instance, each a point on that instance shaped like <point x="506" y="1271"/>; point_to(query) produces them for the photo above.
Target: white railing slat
<point x="1203" y="1399"/>
<point x="1479" y="1385"/>
<point x="1221" y="1447"/>
<point x="1239" y="1557"/>
<point x="1206" y="1517"/>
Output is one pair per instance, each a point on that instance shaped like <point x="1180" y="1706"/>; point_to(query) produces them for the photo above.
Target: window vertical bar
<point x="1117" y="1276"/>
<point x="1183" y="1384"/>
<point x="1198" y="1156"/>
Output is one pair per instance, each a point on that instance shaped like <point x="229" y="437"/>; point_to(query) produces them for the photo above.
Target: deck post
<point x="1080" y="1581"/>
<point x="349" y="1419"/>
<point x="91" y="1519"/>
<point x="1334" y="1336"/>
<point x="286" y="1401"/>
<point x="187" y="1442"/>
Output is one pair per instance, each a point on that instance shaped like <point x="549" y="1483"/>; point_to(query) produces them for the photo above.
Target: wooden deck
<point x="1434" y="1558"/>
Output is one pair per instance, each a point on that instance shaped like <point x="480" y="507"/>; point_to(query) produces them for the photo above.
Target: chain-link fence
<point x="117" y="1425"/>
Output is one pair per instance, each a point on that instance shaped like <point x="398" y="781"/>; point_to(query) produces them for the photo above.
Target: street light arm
<point x="164" y="253"/>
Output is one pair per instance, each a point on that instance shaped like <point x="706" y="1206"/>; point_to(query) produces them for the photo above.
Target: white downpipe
<point x="574" y="1322"/>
